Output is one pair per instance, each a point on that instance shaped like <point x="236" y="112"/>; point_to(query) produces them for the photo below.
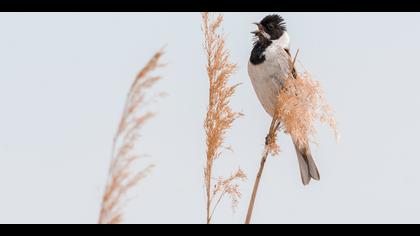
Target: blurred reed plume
<point x="120" y="177"/>
<point x="301" y="103"/>
<point x="219" y="117"/>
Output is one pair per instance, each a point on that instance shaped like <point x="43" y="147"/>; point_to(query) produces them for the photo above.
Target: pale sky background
<point x="63" y="82"/>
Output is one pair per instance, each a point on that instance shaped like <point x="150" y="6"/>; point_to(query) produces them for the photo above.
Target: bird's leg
<point x="278" y="126"/>
<point x="267" y="140"/>
<point x="270" y="134"/>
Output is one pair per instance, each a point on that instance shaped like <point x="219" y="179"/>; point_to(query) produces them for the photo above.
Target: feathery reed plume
<point x="120" y="178"/>
<point x="219" y="117"/>
<point x="301" y="102"/>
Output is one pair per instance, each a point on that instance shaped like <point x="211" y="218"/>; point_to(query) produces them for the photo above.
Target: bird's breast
<point x="268" y="77"/>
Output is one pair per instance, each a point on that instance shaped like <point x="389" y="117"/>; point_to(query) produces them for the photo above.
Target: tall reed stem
<point x="273" y="128"/>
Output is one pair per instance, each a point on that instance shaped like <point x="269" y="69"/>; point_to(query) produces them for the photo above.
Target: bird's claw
<point x="267" y="140"/>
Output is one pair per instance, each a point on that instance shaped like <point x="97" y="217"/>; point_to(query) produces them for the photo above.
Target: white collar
<point x="283" y="41"/>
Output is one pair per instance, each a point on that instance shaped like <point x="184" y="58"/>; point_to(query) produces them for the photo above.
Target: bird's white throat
<point x="283" y="41"/>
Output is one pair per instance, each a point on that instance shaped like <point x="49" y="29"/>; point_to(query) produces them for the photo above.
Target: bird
<point x="268" y="68"/>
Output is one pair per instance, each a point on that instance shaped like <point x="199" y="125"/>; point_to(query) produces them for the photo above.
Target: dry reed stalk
<point x="300" y="104"/>
<point x="120" y="178"/>
<point x="219" y="117"/>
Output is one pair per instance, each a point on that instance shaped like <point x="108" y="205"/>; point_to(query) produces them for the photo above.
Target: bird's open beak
<point x="260" y="28"/>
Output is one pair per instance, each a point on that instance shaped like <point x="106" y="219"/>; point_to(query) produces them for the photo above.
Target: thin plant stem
<point x="258" y="178"/>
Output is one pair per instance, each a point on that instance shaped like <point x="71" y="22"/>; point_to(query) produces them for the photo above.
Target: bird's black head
<point x="271" y="27"/>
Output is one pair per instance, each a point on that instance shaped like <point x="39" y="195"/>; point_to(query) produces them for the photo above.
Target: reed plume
<point x="220" y="116"/>
<point x="120" y="176"/>
<point x="300" y="104"/>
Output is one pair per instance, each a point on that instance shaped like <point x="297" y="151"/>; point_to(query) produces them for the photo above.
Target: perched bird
<point x="268" y="67"/>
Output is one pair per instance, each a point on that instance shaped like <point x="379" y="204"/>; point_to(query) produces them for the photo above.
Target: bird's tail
<point x="308" y="169"/>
